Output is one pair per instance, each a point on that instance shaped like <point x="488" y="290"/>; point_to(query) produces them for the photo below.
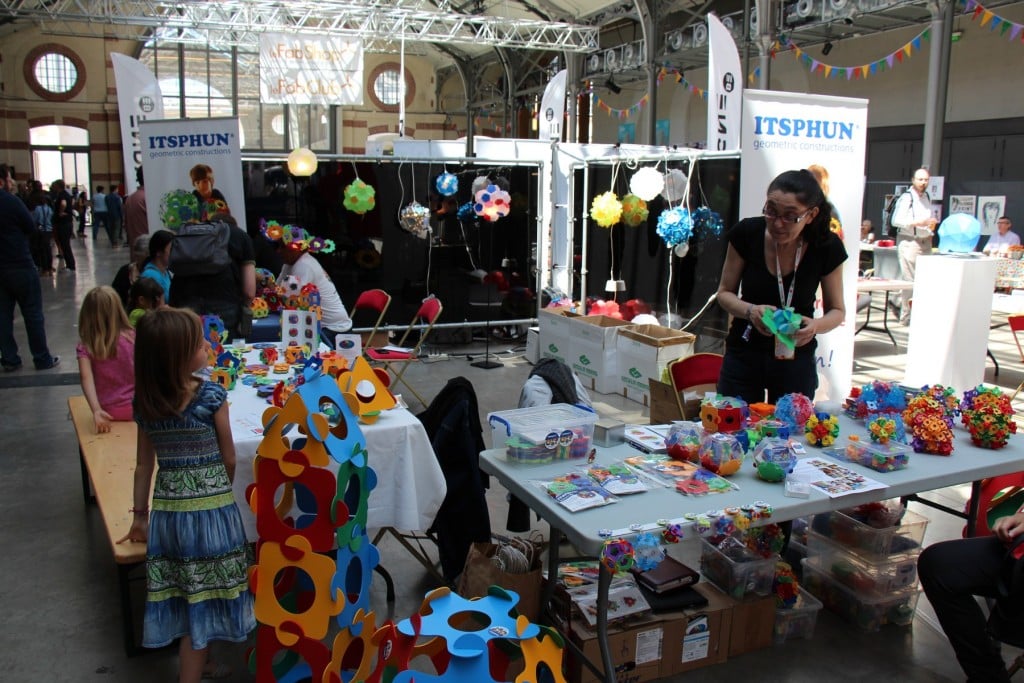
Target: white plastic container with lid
<point x="543" y="433"/>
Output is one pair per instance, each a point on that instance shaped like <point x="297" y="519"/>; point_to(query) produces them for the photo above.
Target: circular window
<point x="54" y="72"/>
<point x="385" y="87"/>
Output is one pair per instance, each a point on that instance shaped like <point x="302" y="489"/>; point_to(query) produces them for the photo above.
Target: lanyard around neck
<point x="787" y="299"/>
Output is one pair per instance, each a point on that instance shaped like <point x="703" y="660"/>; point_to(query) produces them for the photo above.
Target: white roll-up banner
<point x="138" y="98"/>
<point x="725" y="88"/>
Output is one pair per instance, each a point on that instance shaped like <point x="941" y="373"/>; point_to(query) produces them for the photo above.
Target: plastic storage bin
<point x="875" y="544"/>
<point x="543" y="433"/>
<point x="859" y="572"/>
<point x="797" y="621"/>
<point x="737" y="570"/>
<point x="867" y="612"/>
<point x="881" y="457"/>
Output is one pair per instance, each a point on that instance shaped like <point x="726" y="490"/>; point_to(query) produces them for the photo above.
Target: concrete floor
<point x="59" y="588"/>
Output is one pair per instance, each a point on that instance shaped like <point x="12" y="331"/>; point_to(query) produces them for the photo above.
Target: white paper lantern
<point x="681" y="249"/>
<point x="479" y="183"/>
<point x="302" y="162"/>
<point x="675" y="185"/>
<point x="647" y="183"/>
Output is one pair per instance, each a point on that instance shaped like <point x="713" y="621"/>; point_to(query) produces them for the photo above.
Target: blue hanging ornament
<point x="675" y="226"/>
<point x="447" y="184"/>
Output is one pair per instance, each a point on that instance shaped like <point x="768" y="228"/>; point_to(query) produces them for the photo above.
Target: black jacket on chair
<point x="452" y="422"/>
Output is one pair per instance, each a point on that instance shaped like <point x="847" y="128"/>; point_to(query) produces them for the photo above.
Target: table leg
<point x="973" y="507"/>
<point x="988" y="352"/>
<point x="885" y="321"/>
<point x="604" y="582"/>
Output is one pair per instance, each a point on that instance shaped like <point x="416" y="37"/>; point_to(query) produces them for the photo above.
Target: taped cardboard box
<point x="665" y="408"/>
<point x="700" y="637"/>
<point x="636" y="650"/>
<point x="644" y="352"/>
<point x="753" y="621"/>
<point x="555" y="333"/>
<point x="593" y="349"/>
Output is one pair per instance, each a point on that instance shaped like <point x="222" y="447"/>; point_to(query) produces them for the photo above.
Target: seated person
<point x="1001" y="241"/>
<point x="952" y="574"/>
<point x="294" y="249"/>
<point x="144" y="296"/>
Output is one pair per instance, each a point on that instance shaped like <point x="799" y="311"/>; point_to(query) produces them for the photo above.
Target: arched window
<point x="385" y="87"/>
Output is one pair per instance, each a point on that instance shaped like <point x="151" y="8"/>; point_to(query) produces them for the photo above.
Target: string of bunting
<point x="1010" y="29"/>
<point x="906" y="51"/>
<point x="621" y="114"/>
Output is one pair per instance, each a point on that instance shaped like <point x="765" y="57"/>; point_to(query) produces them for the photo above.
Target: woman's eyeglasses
<point x="789" y="219"/>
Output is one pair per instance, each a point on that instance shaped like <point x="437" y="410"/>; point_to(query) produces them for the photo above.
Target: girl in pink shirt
<point x="106" y="357"/>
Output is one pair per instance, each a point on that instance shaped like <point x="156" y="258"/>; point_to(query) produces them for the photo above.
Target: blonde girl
<point x="106" y="357"/>
<point x="196" y="556"/>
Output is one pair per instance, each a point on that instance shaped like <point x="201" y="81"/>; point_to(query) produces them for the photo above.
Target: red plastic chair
<point x="376" y="300"/>
<point x="427" y="314"/>
<point x="698" y="370"/>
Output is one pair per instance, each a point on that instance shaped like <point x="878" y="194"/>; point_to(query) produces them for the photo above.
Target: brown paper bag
<point x="480" y="573"/>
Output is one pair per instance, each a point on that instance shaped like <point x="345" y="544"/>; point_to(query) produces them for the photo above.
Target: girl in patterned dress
<point x="196" y="556"/>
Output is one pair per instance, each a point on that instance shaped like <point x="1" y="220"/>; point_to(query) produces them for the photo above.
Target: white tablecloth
<point x="410" y="484"/>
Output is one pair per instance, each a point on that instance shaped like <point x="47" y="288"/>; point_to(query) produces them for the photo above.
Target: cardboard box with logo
<point x="592" y="351"/>
<point x="636" y="650"/>
<point x="700" y="637"/>
<point x="643" y="352"/>
<point x="555" y="333"/>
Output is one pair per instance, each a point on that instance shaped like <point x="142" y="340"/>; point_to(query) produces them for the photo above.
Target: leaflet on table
<point x="576" y="491"/>
<point x="831" y="478"/>
<point x="583" y="573"/>
<point x="687" y="478"/>
<point x="617" y="479"/>
<point x="647" y="438"/>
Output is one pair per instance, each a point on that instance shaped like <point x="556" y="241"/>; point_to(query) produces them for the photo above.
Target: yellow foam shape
<point x="362" y="383"/>
<point x="362" y="628"/>
<point x="546" y="648"/>
<point x="294" y="412"/>
<point x="295" y="552"/>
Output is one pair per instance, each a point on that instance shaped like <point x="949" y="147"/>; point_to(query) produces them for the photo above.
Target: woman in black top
<point x="792" y="240"/>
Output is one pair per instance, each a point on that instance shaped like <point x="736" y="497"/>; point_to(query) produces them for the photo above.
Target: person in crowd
<point x="1003" y="238"/>
<point x="136" y="220"/>
<point x="99" y="212"/>
<point x="19" y="281"/>
<point x="129" y="273"/>
<point x="106" y="357"/>
<point x="42" y="239"/>
<point x="115" y="216"/>
<point x="954" y="572"/>
<point x="228" y="292"/>
<point x="778" y="261"/>
<point x="867" y="232"/>
<point x="197" y="557"/>
<point x="294" y="249"/>
<point x="157" y="265"/>
<point x="63" y="222"/>
<point x="211" y="201"/>
<point x="145" y="295"/>
<point x="914" y="223"/>
<point x="820" y="174"/>
<point x="82" y="208"/>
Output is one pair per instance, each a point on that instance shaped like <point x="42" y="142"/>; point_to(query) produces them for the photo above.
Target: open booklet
<point x="831" y="478"/>
<point x="687" y="478"/>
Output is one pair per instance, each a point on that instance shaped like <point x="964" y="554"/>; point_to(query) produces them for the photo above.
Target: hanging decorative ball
<point x="675" y="185"/>
<point x="447" y="184"/>
<point x="675" y="226"/>
<point x="681" y="249"/>
<point x="465" y="212"/>
<point x="606" y="209"/>
<point x="492" y="203"/>
<point x="647" y="183"/>
<point x="359" y="197"/>
<point x="415" y="219"/>
<point x="479" y="183"/>
<point x="707" y="222"/>
<point x="634" y="210"/>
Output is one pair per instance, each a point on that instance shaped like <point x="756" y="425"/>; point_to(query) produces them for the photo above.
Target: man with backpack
<point x="214" y="268"/>
<point x="914" y="224"/>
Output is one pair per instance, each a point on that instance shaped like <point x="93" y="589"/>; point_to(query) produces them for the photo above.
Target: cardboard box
<point x="697" y="638"/>
<point x="636" y="650"/>
<point x="592" y="351"/>
<point x="555" y="333"/>
<point x="532" y="345"/>
<point x="753" y="620"/>
<point x="664" y="408"/>
<point x="643" y="352"/>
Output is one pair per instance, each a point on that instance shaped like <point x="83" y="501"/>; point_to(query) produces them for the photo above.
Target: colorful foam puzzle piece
<point x="305" y="658"/>
<point x="319" y="392"/>
<point x="352" y="579"/>
<point x="354" y="487"/>
<point x="278" y="423"/>
<point x="319" y="489"/>
<point x="353" y="653"/>
<point x="366" y="390"/>
<point x="542" y="655"/>
<point x="327" y="602"/>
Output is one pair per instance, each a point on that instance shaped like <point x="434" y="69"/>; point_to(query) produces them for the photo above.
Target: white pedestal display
<point x="949" y="322"/>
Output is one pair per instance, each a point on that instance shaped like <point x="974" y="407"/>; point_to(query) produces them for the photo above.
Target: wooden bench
<point x="108" y="462"/>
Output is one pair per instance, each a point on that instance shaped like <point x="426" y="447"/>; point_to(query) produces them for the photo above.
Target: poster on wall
<point x="937" y="188"/>
<point x="962" y="203"/>
<point x="989" y="211"/>
<point x="138" y="98"/>
<point x="193" y="171"/>
<point x="784" y="131"/>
